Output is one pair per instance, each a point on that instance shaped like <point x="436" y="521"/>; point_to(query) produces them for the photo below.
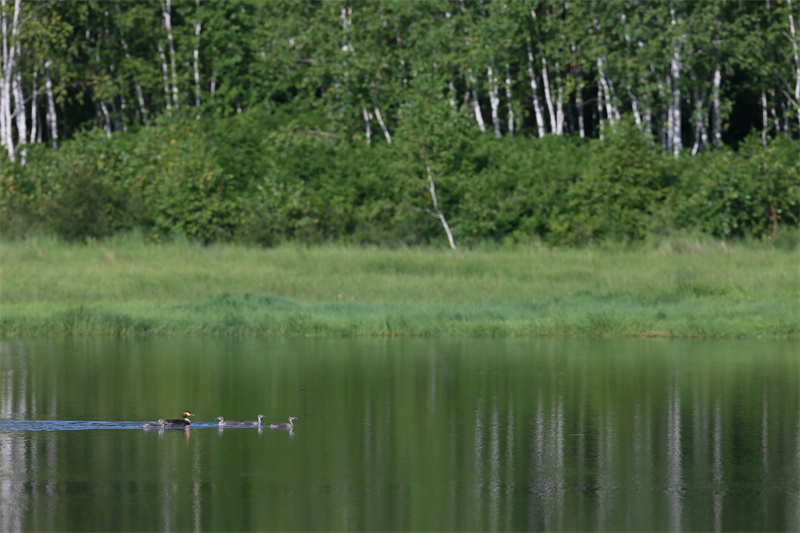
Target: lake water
<point x="401" y="435"/>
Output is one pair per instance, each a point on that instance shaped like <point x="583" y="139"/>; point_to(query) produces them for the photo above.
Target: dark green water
<point x="401" y="435"/>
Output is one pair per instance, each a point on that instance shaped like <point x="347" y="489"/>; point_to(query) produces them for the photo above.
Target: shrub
<point x="620" y="193"/>
<point x="749" y="192"/>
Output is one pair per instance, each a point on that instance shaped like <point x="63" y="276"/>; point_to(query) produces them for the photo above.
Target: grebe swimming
<point x="222" y="422"/>
<point x="179" y="421"/>
<point x="253" y="422"/>
<point x="284" y="425"/>
<point x="159" y="424"/>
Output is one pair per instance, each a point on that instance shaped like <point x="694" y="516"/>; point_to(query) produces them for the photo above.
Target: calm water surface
<point x="401" y="435"/>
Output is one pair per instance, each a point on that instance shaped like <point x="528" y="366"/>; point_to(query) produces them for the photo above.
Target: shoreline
<point x="681" y="288"/>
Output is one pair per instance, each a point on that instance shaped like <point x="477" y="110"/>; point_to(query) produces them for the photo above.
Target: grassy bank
<point x="681" y="287"/>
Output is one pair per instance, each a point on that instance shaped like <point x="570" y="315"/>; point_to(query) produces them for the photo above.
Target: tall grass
<point x="679" y="287"/>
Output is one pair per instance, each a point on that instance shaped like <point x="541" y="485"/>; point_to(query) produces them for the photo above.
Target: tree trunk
<point x="52" y="120"/>
<point x="716" y="119"/>
<point x="103" y="110"/>
<point x="675" y="72"/>
<point x="368" y="131"/>
<point x="476" y="107"/>
<point x="494" y="99"/>
<point x="165" y="75"/>
<point x="612" y="113"/>
<point x="19" y="111"/>
<point x="578" y="92"/>
<point x="796" y="55"/>
<point x="537" y="106"/>
<point x="700" y="131"/>
<point x="559" y="104"/>
<point x="196" y="56"/>
<point x="547" y="97"/>
<point x="34" y="112"/>
<point x="600" y="122"/>
<point x="10" y="53"/>
<point x="510" y="102"/>
<point x="173" y="75"/>
<point x="436" y="212"/>
<point x="381" y="122"/>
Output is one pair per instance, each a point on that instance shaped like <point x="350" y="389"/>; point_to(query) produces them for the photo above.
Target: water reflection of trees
<point x="631" y="453"/>
<point x="451" y="447"/>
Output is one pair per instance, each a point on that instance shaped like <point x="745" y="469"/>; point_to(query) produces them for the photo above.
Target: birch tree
<point x="9" y="27"/>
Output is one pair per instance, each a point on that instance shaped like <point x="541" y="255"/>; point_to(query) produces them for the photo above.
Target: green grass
<point x="680" y="287"/>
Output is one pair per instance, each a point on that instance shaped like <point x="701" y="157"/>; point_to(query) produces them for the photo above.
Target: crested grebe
<point x="284" y="425"/>
<point x="222" y="422"/>
<point x="159" y="424"/>
<point x="253" y="422"/>
<point x="180" y="421"/>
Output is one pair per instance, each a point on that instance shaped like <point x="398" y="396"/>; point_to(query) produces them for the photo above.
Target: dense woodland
<point x="385" y="122"/>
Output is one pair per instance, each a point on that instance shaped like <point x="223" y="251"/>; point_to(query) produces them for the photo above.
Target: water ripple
<point x="76" y="425"/>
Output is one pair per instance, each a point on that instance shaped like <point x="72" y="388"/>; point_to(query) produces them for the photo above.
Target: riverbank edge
<point x="265" y="316"/>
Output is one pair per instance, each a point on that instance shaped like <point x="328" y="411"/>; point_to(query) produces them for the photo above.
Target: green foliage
<point x="620" y="193"/>
<point x="749" y="192"/>
<point x="81" y="191"/>
<point x="295" y="178"/>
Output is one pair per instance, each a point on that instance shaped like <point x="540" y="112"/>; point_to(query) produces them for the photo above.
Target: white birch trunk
<point x="436" y="212"/>
<point x="52" y="119"/>
<point x="368" y="131"/>
<point x="476" y="108"/>
<point x="494" y="99"/>
<point x="19" y="111"/>
<point x="637" y="117"/>
<point x="675" y="71"/>
<point x="611" y="113"/>
<point x="173" y="75"/>
<point x="5" y="104"/>
<point x="600" y="121"/>
<point x="196" y="56"/>
<point x="670" y="116"/>
<point x="612" y="97"/>
<point x="165" y="75"/>
<point x="103" y="109"/>
<point x="578" y="93"/>
<point x="122" y="116"/>
<point x="213" y="87"/>
<point x="381" y="122"/>
<point x="140" y="99"/>
<point x="547" y="97"/>
<point x="774" y="113"/>
<point x="537" y="106"/>
<point x="559" y="104"/>
<point x="508" y="99"/>
<point x="716" y="119"/>
<point x="6" y="87"/>
<point x="676" y="107"/>
<point x="700" y="132"/>
<point x="5" y="108"/>
<point x="796" y="54"/>
<point x="34" y="111"/>
<point x="137" y="86"/>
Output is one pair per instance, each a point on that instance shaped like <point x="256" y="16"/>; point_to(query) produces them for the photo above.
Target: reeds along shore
<point x="679" y="287"/>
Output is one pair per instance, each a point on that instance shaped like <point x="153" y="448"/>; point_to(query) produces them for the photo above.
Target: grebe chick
<point x="222" y="422"/>
<point x="180" y="421"/>
<point x="159" y="424"/>
<point x="284" y="425"/>
<point x="253" y="422"/>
